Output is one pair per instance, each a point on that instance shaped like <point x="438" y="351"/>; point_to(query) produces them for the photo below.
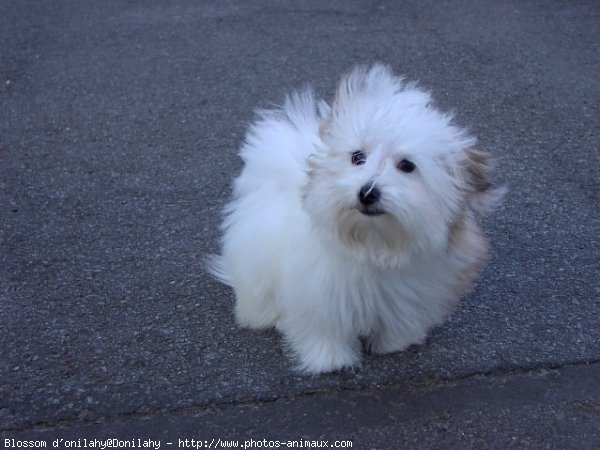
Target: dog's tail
<point x="215" y="266"/>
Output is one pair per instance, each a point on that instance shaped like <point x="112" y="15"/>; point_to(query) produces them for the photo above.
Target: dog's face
<point x="393" y="175"/>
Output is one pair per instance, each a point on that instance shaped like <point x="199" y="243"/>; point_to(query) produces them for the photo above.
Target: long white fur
<point x="303" y="258"/>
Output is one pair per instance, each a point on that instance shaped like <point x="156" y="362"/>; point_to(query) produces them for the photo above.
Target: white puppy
<point x="355" y="220"/>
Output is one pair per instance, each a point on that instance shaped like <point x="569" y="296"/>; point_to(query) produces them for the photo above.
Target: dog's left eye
<point x="406" y="166"/>
<point x="358" y="158"/>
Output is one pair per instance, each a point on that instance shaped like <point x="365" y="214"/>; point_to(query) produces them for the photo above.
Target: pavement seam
<point x="213" y="407"/>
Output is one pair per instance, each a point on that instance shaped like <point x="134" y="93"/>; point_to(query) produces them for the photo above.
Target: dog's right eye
<point x="358" y="158"/>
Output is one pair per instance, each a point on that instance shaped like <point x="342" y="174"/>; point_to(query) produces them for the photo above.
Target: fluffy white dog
<point x="354" y="221"/>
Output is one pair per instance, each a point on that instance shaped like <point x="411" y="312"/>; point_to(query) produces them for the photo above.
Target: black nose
<point x="369" y="194"/>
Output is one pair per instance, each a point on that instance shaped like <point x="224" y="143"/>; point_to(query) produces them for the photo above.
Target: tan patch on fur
<point x="477" y="170"/>
<point x="467" y="243"/>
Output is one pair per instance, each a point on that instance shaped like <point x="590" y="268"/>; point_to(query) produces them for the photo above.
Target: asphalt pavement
<point x="119" y="128"/>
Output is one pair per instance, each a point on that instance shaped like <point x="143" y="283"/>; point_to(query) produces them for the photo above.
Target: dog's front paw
<point x="388" y="342"/>
<point x="320" y="356"/>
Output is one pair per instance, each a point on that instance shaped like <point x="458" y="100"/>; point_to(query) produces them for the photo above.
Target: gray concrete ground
<point x="119" y="127"/>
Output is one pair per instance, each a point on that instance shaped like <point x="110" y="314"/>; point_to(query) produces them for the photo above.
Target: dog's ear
<point x="346" y="89"/>
<point x="363" y="82"/>
<point x="326" y="117"/>
<point x="476" y="172"/>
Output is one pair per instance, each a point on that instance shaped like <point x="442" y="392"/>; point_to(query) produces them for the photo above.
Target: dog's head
<point x="393" y="174"/>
